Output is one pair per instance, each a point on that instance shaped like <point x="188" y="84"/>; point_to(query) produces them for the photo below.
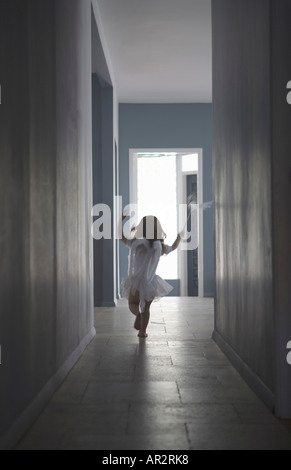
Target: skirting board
<point x="254" y="382"/>
<point x="25" y="420"/>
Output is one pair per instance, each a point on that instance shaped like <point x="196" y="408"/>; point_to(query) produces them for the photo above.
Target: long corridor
<point x="173" y="390"/>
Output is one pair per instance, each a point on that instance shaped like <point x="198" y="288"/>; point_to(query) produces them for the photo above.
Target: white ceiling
<point x="160" y="50"/>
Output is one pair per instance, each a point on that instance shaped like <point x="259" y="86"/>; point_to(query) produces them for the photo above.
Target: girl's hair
<point x="149" y="228"/>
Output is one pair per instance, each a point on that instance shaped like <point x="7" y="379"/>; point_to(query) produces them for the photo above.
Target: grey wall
<point x="103" y="168"/>
<point x="97" y="182"/>
<point x="281" y="186"/>
<point x="103" y="190"/>
<point x="99" y="62"/>
<point x="46" y="312"/>
<point x="251" y="161"/>
<point x="169" y="126"/>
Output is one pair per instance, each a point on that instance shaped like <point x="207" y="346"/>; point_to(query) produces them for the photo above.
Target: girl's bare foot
<point x="137" y="322"/>
<point x="142" y="334"/>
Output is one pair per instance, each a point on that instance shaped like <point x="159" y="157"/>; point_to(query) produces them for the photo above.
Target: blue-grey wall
<point x="169" y="126"/>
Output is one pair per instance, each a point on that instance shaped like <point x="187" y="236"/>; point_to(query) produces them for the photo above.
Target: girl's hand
<point x="182" y="234"/>
<point x="124" y="214"/>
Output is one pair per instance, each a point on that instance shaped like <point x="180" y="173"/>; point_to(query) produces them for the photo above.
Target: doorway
<point x="163" y="182"/>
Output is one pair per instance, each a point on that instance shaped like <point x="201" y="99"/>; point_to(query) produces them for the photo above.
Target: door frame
<point x="181" y="199"/>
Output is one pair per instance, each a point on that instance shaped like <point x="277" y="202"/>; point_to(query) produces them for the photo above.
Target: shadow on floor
<point x="174" y="390"/>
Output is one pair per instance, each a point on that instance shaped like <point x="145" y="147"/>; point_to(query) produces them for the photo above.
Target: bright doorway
<point x="162" y="182"/>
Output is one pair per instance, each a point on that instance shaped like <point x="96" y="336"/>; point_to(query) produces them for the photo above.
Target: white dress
<point x="142" y="264"/>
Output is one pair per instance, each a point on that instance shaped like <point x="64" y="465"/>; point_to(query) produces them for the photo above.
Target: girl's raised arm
<point x="176" y="242"/>
<point x="172" y="247"/>
<point x="120" y="228"/>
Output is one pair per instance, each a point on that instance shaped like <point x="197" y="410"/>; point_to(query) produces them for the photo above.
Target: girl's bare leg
<point x="133" y="304"/>
<point x="145" y="317"/>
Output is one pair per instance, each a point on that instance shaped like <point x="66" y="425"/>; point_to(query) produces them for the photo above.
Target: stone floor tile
<point x="173" y="390"/>
<point x="238" y="437"/>
<point x="111" y="443"/>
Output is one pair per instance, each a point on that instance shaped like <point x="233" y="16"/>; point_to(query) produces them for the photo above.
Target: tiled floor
<point x="174" y="390"/>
